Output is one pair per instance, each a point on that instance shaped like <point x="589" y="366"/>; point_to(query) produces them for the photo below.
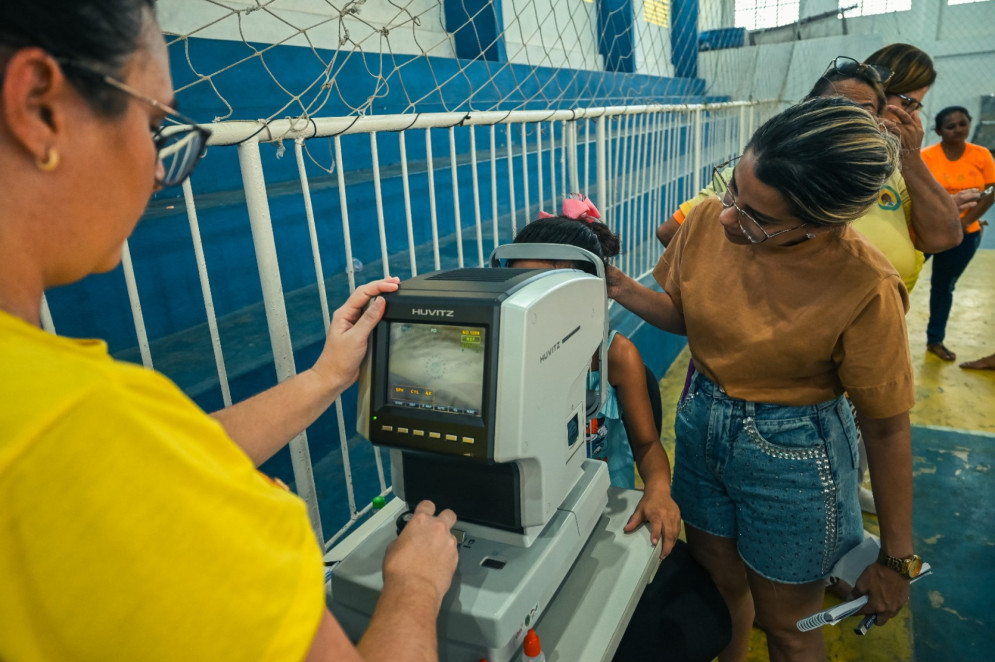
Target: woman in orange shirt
<point x="961" y="167"/>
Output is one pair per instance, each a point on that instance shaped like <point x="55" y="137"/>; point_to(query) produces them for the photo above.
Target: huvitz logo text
<point x="549" y="352"/>
<point x="432" y="312"/>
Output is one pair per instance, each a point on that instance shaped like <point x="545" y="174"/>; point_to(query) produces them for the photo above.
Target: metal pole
<point x="494" y="190"/>
<point x="602" y="171"/>
<point x="261" y="225"/>
<point x="312" y="231"/>
<point x="136" y="306"/>
<point x="350" y="268"/>
<point x="431" y="198"/>
<point x="539" y="177"/>
<point x="205" y="289"/>
<point x="696" y="179"/>
<point x="46" y="316"/>
<point x="572" y="156"/>
<point x="453" y="169"/>
<point x="406" y="186"/>
<point x="475" y="180"/>
<point x="378" y="197"/>
<point x="525" y="173"/>
<point x="511" y="180"/>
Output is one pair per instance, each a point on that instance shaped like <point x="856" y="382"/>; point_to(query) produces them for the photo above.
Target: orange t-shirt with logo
<point x="974" y="169"/>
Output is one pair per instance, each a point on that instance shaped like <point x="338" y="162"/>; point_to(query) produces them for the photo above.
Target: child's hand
<point x="663" y="516"/>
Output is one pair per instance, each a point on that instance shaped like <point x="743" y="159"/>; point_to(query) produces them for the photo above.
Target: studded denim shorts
<point x="781" y="480"/>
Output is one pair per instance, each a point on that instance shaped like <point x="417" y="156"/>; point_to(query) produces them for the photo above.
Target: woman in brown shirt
<point x="785" y="307"/>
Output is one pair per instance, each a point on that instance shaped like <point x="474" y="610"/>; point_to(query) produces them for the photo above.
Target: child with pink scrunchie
<point x="633" y="437"/>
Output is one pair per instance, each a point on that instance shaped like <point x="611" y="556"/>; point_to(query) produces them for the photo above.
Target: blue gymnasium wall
<point x="161" y="245"/>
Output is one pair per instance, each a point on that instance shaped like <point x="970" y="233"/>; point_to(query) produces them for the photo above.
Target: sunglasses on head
<point x="847" y="66"/>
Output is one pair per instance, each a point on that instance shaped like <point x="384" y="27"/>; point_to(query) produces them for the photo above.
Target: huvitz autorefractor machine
<point x="477" y="381"/>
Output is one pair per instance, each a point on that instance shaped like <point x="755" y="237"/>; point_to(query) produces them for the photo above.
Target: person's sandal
<point x="941" y="351"/>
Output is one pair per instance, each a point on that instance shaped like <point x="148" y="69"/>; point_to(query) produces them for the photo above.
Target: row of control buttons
<point x="431" y="435"/>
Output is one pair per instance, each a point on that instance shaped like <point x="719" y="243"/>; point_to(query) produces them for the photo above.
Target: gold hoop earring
<point x="50" y="161"/>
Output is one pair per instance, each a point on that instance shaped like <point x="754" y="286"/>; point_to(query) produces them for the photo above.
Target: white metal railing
<point x="641" y="161"/>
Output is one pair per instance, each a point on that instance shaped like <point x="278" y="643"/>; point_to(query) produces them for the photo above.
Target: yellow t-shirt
<point x="131" y="526"/>
<point x="887" y="225"/>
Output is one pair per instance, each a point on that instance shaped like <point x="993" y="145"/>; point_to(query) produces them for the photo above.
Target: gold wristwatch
<point x="908" y="567"/>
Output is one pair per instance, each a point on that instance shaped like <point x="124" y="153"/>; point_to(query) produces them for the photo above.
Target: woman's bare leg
<point x="720" y="558"/>
<point x="780" y="607"/>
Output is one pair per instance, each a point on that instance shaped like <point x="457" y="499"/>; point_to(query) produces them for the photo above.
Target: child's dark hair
<point x="941" y="116"/>
<point x="593" y="236"/>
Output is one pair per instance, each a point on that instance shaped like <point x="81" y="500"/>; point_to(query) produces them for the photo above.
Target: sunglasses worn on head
<point x="847" y="66"/>
<point x="179" y="146"/>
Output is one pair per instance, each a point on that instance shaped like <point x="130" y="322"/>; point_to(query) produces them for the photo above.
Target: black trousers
<point x="947" y="268"/>
<point x="681" y="616"/>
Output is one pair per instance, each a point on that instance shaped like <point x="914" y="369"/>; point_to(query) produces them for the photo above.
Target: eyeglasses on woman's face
<point x="909" y="104"/>
<point x="752" y="229"/>
<point x="847" y="66"/>
<point x="178" y="146"/>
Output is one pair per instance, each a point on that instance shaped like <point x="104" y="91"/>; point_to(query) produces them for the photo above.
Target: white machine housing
<point x="524" y="443"/>
<point x="510" y="459"/>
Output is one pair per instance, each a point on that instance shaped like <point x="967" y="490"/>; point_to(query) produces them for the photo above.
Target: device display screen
<point x="436" y="367"/>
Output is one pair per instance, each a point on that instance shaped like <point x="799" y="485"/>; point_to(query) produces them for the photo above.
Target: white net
<point x="268" y="59"/>
<point x="318" y="58"/>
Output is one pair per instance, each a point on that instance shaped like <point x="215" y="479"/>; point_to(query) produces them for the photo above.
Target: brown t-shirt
<point x="793" y="325"/>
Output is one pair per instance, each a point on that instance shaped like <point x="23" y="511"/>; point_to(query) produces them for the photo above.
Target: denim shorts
<point x="780" y="480"/>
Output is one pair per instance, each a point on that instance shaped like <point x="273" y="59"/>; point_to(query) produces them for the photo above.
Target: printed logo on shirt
<point x="274" y="481"/>
<point x="889" y="199"/>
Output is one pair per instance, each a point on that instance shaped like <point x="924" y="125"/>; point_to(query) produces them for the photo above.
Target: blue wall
<point x="436" y="84"/>
<point x="616" y="35"/>
<point x="684" y="37"/>
<point x="476" y="27"/>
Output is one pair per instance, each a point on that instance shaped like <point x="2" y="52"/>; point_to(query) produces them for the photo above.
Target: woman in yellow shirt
<point x="133" y="525"/>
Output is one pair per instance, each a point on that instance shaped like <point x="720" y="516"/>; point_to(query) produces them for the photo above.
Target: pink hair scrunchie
<point x="578" y="207"/>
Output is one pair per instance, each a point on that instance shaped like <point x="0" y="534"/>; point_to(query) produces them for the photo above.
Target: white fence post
<point x="205" y="290"/>
<point x="136" y="306"/>
<point x="601" y="151"/>
<point x="698" y="138"/>
<point x="274" y="304"/>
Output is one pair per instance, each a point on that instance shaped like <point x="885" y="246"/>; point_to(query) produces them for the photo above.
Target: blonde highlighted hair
<point x="827" y="156"/>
